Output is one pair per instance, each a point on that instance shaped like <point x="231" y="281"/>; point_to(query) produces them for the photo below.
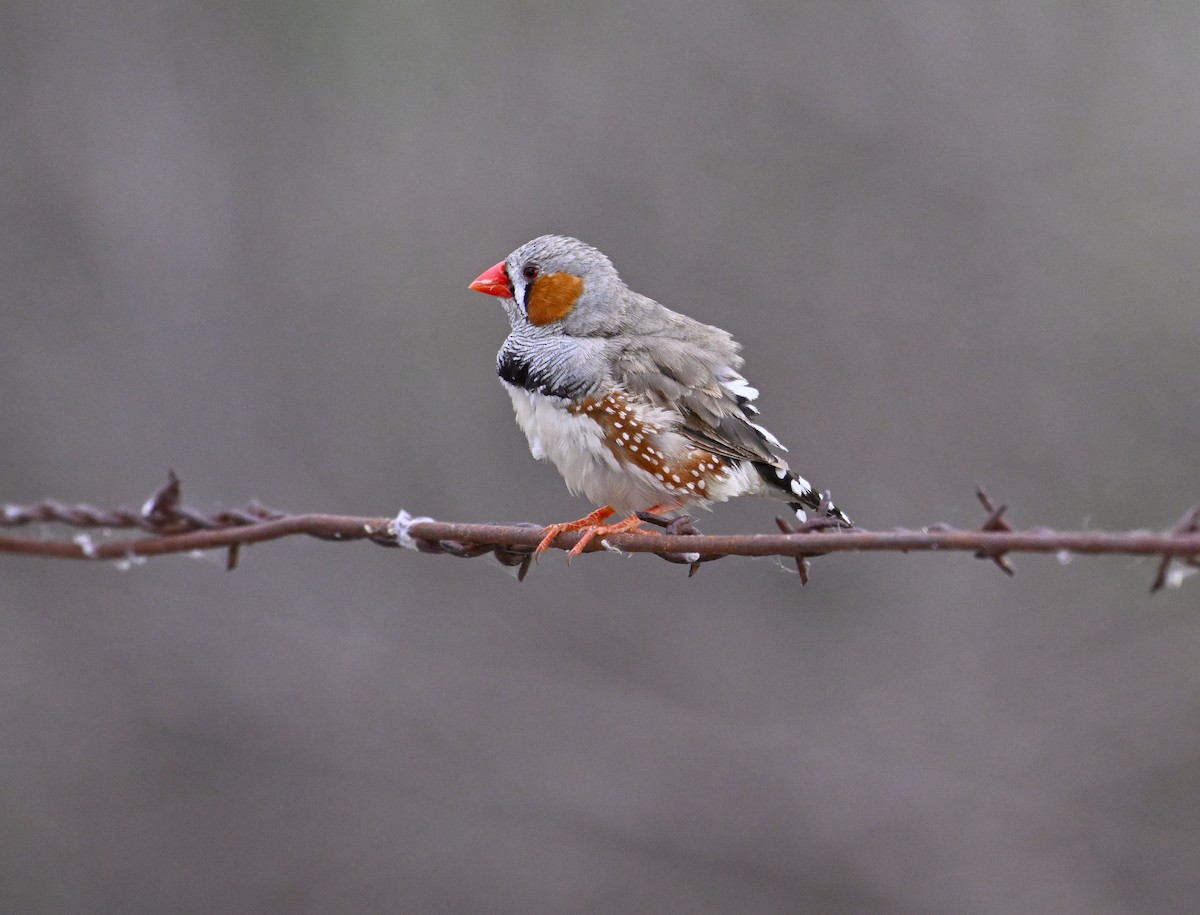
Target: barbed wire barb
<point x="1188" y="524"/>
<point x="995" y="521"/>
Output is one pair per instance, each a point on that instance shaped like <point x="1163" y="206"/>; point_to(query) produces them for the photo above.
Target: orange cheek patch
<point x="552" y="296"/>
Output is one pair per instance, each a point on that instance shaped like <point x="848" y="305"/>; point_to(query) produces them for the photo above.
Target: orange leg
<point x="602" y="531"/>
<point x="592" y="527"/>
<point x="553" y="530"/>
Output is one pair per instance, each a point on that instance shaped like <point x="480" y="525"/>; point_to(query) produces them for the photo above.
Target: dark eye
<point x="530" y="271"/>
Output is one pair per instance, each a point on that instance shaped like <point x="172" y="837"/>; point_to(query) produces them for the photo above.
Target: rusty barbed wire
<point x="172" y="527"/>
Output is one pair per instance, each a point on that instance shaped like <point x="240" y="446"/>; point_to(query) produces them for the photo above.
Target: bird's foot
<point x="550" y="531"/>
<point x="593" y="526"/>
<point x="624" y="526"/>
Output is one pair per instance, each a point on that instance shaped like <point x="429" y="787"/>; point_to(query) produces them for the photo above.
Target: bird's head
<point x="557" y="283"/>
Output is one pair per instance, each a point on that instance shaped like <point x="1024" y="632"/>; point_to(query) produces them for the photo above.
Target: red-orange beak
<point x="494" y="282"/>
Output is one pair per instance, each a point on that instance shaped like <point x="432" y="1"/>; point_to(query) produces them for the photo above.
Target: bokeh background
<point x="958" y="241"/>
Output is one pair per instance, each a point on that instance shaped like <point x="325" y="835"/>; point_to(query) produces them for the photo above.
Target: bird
<point x="639" y="407"/>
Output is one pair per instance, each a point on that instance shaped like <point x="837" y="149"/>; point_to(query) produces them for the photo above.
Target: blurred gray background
<point x="958" y="241"/>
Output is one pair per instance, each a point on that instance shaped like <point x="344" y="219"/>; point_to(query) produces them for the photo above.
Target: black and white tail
<point x="791" y="487"/>
<point x="803" y="498"/>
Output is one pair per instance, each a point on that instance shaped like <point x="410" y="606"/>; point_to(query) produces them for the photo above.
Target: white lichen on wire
<point x="399" y="526"/>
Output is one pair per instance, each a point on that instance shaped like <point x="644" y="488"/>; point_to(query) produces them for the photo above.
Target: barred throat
<point x="551" y="365"/>
<point x="519" y="370"/>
